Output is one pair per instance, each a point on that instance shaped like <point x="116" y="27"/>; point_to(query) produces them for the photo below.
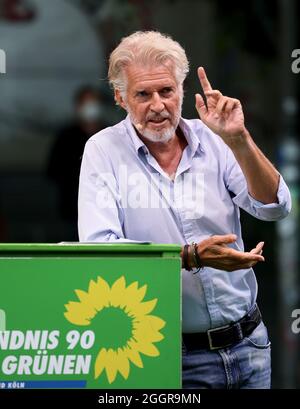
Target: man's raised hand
<point x="223" y="115"/>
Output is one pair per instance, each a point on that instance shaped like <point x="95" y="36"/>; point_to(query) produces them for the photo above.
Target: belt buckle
<point x="209" y="331"/>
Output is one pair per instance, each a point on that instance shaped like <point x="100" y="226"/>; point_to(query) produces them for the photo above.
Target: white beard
<point x="159" y="136"/>
<point x="163" y="135"/>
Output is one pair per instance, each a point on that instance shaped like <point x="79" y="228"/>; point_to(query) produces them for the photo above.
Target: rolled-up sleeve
<point x="262" y="211"/>
<point x="237" y="185"/>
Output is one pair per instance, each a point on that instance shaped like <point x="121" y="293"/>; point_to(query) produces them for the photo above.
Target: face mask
<point x="90" y="111"/>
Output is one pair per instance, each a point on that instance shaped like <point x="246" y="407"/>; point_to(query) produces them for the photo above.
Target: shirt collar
<point x="191" y="137"/>
<point x="137" y="142"/>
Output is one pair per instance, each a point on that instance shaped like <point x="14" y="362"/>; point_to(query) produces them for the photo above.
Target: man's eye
<point x="141" y="93"/>
<point x="167" y="90"/>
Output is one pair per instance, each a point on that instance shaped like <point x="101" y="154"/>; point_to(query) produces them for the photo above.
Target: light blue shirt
<point x="124" y="194"/>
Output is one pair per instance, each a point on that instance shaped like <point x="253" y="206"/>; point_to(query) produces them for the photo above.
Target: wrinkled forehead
<point x="145" y="75"/>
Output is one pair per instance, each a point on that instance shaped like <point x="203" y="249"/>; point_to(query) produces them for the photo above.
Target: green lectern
<point x="90" y="316"/>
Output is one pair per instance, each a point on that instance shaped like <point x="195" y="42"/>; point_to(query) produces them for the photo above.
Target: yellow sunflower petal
<point x="82" y="295"/>
<point x="141" y="309"/>
<point x="99" y="293"/>
<point x="134" y="357"/>
<point x="123" y="363"/>
<point x="145" y="348"/>
<point x="132" y="288"/>
<point x="85" y="298"/>
<point x="79" y="313"/>
<point x="155" y="322"/>
<point x="111" y="365"/>
<point x="117" y="292"/>
<point x="133" y="294"/>
<point x="75" y="320"/>
<point x="100" y="362"/>
<point x="144" y="332"/>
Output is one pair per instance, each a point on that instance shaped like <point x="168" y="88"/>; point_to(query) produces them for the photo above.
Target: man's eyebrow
<point x="140" y="91"/>
<point x="158" y="89"/>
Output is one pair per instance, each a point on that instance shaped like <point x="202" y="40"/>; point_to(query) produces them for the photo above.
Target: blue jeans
<point x="246" y="365"/>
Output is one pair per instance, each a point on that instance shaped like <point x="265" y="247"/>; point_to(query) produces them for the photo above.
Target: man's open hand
<point x="214" y="252"/>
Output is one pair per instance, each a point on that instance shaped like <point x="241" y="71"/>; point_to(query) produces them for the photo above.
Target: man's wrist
<point x="242" y="143"/>
<point x="190" y="257"/>
<point x="185" y="257"/>
<point x="197" y="257"/>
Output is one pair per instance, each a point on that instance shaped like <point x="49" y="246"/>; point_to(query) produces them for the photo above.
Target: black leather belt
<point x="225" y="336"/>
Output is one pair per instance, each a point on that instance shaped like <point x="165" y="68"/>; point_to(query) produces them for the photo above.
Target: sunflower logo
<point x="141" y="330"/>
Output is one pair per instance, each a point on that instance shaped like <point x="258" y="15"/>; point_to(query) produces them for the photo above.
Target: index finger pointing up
<point x="203" y="80"/>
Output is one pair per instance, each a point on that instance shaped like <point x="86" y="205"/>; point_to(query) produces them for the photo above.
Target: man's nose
<point x="156" y="103"/>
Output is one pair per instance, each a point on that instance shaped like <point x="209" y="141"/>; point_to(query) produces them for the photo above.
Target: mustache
<point x="161" y="115"/>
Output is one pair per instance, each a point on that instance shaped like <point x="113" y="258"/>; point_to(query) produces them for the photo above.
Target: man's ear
<point x="119" y="99"/>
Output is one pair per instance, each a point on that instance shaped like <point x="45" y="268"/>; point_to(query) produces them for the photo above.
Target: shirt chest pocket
<point x="189" y="196"/>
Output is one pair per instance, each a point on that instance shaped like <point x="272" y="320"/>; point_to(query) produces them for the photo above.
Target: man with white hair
<point x="192" y="176"/>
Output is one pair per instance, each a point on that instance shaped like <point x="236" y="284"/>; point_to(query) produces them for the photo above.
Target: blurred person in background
<point x="17" y="10"/>
<point x="66" y="153"/>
